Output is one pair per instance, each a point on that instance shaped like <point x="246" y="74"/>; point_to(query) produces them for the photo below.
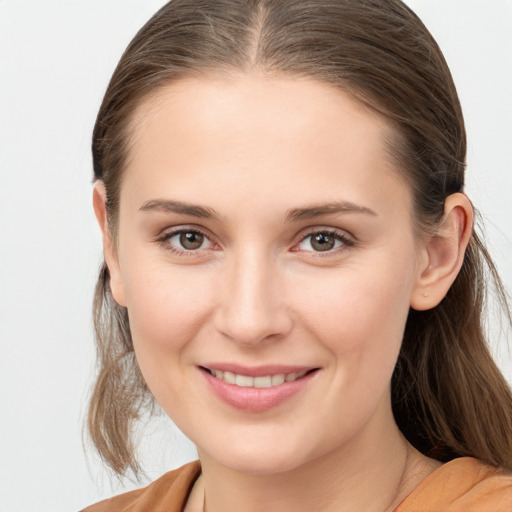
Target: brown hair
<point x="449" y="398"/>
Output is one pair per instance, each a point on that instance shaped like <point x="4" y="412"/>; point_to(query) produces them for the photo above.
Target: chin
<point x="261" y="464"/>
<point x="259" y="458"/>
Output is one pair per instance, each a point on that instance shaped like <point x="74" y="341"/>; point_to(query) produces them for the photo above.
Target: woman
<point x="291" y="267"/>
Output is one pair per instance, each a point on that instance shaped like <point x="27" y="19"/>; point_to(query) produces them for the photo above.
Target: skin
<point x="257" y="292"/>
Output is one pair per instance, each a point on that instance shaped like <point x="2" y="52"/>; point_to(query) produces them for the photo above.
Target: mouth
<point x="257" y="389"/>
<point x="270" y="380"/>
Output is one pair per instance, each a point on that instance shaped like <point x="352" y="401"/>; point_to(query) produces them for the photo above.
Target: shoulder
<point x="462" y="485"/>
<point x="169" y="493"/>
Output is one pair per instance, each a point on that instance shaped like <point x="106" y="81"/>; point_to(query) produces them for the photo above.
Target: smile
<point x="263" y="389"/>
<point x="264" y="381"/>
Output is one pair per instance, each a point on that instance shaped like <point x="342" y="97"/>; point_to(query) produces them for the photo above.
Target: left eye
<point x="189" y="240"/>
<point x="323" y="241"/>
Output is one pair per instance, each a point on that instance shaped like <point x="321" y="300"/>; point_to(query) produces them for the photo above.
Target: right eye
<point x="185" y="241"/>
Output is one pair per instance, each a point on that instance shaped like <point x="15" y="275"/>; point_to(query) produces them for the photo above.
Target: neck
<point x="374" y="474"/>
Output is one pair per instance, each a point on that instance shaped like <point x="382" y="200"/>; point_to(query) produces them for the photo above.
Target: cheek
<point x="359" y="317"/>
<point x="359" y="314"/>
<point x="167" y="307"/>
<point x="167" y="310"/>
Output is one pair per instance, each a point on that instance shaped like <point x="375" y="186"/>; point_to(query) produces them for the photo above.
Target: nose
<point x="252" y="307"/>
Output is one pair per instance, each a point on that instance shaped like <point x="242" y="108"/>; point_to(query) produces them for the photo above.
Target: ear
<point x="442" y="254"/>
<point x="99" y="199"/>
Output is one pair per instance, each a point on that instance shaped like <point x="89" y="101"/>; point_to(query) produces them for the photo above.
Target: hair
<point x="448" y="396"/>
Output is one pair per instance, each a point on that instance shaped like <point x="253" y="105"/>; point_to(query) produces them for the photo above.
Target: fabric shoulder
<point x="462" y="485"/>
<point x="169" y="493"/>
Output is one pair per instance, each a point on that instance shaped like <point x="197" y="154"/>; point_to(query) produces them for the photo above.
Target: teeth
<point x="278" y="379"/>
<point x="263" y="382"/>
<point x="243" y="381"/>
<point x="266" y="381"/>
<point x="228" y="377"/>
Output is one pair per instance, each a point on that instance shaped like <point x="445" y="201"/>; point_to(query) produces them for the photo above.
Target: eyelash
<point x="347" y="242"/>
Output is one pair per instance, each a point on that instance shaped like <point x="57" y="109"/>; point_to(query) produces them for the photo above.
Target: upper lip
<point x="256" y="371"/>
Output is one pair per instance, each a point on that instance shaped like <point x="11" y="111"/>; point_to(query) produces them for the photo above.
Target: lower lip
<point x="253" y="399"/>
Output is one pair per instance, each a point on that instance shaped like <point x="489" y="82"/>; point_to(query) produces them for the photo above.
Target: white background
<point x="55" y="61"/>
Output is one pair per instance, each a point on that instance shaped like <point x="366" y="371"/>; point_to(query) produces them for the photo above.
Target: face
<point x="267" y="259"/>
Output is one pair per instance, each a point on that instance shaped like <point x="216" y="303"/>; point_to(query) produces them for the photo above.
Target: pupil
<point x="322" y="242"/>
<point x="191" y="240"/>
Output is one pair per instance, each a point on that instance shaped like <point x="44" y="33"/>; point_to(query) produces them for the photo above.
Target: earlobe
<point x="109" y="249"/>
<point x="443" y="253"/>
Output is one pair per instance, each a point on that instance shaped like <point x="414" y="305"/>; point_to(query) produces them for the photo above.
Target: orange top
<point x="461" y="485"/>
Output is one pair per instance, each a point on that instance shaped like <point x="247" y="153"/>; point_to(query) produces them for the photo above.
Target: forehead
<point x="280" y="105"/>
<point x="260" y="135"/>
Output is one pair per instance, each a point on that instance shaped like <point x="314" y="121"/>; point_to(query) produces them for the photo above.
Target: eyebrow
<point x="170" y="206"/>
<point x="315" y="211"/>
<point x="293" y="215"/>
